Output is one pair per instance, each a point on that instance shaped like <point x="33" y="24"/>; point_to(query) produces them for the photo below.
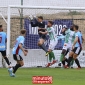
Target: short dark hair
<point x="23" y="31"/>
<point x="76" y="27"/>
<point x="0" y="26"/>
<point x="40" y="17"/>
<point x="51" y="22"/>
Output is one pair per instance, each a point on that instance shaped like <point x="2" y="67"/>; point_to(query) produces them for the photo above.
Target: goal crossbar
<point x="47" y="7"/>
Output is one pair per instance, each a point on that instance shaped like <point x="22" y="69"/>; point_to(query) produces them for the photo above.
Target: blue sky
<point x="71" y="3"/>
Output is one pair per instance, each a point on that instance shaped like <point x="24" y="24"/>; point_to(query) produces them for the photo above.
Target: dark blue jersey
<point x="35" y="23"/>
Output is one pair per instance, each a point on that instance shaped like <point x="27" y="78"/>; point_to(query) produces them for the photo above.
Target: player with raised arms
<point x="53" y="42"/>
<point x="3" y="40"/>
<point x="41" y="27"/>
<point x="17" y="49"/>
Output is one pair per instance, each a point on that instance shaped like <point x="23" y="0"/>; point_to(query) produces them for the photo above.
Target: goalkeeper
<point x="41" y="27"/>
<point x="53" y="42"/>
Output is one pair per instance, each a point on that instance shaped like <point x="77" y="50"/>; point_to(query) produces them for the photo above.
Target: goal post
<point x="60" y="15"/>
<point x="8" y="32"/>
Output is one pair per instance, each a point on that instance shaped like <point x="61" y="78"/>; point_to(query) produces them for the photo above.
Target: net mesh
<point x="36" y="56"/>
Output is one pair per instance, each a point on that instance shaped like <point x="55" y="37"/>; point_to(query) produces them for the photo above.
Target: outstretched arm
<point x="43" y="32"/>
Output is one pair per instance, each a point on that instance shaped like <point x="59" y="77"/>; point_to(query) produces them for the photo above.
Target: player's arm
<point x="75" y="41"/>
<point x="6" y="40"/>
<point x="41" y="28"/>
<point x="21" y="47"/>
<point x="43" y="32"/>
<point x="82" y="39"/>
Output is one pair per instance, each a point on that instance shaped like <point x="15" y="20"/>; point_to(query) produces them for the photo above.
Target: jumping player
<point x="3" y="40"/>
<point x="17" y="49"/>
<point x="41" y="27"/>
<point x="53" y="42"/>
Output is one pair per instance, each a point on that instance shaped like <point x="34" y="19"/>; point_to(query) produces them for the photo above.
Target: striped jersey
<point x="70" y="36"/>
<point x="51" y="32"/>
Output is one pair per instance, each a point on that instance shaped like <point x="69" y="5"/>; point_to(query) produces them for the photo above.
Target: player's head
<point x="71" y="28"/>
<point x="23" y="32"/>
<point x="40" y="18"/>
<point x="64" y="29"/>
<point x="75" y="27"/>
<point x="1" y="28"/>
<point x="50" y="23"/>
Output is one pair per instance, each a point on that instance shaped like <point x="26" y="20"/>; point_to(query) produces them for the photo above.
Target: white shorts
<point x="52" y="44"/>
<point x="67" y="46"/>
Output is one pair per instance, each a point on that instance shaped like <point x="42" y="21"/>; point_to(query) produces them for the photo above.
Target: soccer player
<point x="76" y="47"/>
<point x="69" y="38"/>
<point x="53" y="42"/>
<point x="41" y="27"/>
<point x="3" y="40"/>
<point x="17" y="49"/>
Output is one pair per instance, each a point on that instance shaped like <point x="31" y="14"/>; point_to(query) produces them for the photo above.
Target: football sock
<point x="66" y="60"/>
<point x="7" y="60"/>
<point x="69" y="60"/>
<point x="61" y="57"/>
<point x="71" y="63"/>
<point x="50" y="57"/>
<point x="77" y="62"/>
<point x="63" y="62"/>
<point x="43" y="47"/>
<point x="16" y="67"/>
<point x="53" y="56"/>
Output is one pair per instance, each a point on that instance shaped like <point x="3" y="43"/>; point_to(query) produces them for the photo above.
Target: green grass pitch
<point x="60" y="76"/>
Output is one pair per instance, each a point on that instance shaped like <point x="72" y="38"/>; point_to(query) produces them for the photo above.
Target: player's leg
<point x="70" y="59"/>
<point x="76" y="60"/>
<point x="62" y="56"/>
<point x="51" y="48"/>
<point x="41" y="44"/>
<point x="6" y="59"/>
<point x="71" y="64"/>
<point x="50" y="60"/>
<point x="77" y="52"/>
<point x="20" y="62"/>
<point x="51" y="53"/>
<point x="51" y="57"/>
<point x="64" y="50"/>
<point x="65" y="59"/>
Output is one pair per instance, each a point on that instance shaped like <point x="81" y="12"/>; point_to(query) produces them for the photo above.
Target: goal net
<point x="18" y="18"/>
